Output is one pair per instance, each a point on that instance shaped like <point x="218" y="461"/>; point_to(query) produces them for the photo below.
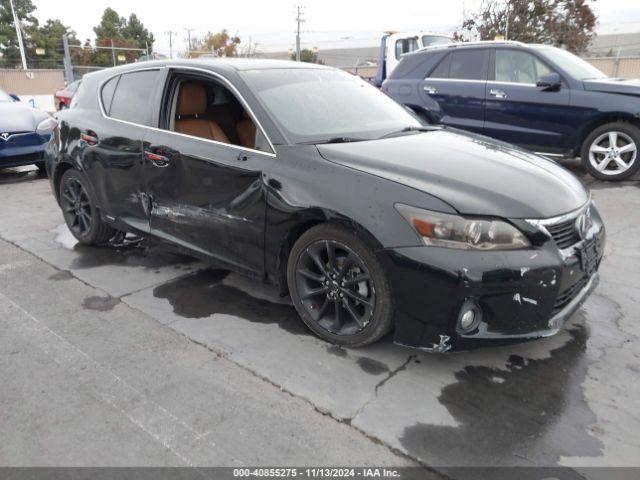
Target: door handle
<point x="156" y="159"/>
<point x="430" y="90"/>
<point x="90" y="137"/>
<point x="497" y="93"/>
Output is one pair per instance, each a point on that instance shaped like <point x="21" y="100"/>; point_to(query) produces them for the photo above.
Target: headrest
<point x="192" y="99"/>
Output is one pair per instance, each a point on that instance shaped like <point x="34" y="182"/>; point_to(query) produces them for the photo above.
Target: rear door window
<point x="133" y="97"/>
<point x="468" y="64"/>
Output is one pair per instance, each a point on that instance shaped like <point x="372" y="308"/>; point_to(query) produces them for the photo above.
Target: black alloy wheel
<point x="76" y="207"/>
<point x="80" y="212"/>
<point x="339" y="288"/>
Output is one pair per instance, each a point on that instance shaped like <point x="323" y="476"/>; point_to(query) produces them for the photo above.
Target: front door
<point x="207" y="195"/>
<point x="519" y="112"/>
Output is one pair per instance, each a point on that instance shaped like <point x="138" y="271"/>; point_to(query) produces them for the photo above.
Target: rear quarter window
<point x="133" y="97"/>
<point x="108" y="89"/>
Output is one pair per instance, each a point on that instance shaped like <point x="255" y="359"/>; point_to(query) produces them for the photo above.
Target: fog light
<point x="467" y="319"/>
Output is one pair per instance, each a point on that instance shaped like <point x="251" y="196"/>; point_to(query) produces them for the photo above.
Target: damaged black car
<point x="311" y="179"/>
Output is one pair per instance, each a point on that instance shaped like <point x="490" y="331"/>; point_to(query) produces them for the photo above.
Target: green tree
<point x="123" y="33"/>
<point x="564" y="23"/>
<point x="49" y="38"/>
<point x="8" y="40"/>
<point x="111" y="25"/>
<point x="134" y="31"/>
<point x="307" y="55"/>
<point x="219" y="44"/>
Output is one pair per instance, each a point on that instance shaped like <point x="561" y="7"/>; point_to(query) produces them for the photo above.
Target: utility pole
<point x="299" y="20"/>
<point x="170" y="33"/>
<point x="113" y="53"/>
<point x="506" y="30"/>
<point x="16" y="22"/>
<point x="189" y="30"/>
<point x="68" y="70"/>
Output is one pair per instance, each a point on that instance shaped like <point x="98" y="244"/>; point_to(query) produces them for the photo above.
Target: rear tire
<point x="42" y="169"/>
<point x="80" y="210"/>
<point x="339" y="288"/>
<point x="611" y="151"/>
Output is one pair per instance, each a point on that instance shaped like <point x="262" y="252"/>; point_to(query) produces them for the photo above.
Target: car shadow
<point x="575" y="167"/>
<point x="19" y="175"/>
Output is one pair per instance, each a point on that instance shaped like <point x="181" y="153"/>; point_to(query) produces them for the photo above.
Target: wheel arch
<point x="601" y="120"/>
<point x="311" y="220"/>
<point x="60" y="170"/>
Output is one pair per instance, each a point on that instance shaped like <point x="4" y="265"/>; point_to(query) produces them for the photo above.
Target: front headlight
<point x="46" y="126"/>
<point x="453" y="231"/>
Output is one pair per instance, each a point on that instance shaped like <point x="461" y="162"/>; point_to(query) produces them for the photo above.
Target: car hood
<point x="19" y="117"/>
<point x="614" y="85"/>
<point x="472" y="173"/>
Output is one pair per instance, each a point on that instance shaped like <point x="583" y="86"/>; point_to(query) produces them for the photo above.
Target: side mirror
<point x="550" y="82"/>
<point x="15" y="97"/>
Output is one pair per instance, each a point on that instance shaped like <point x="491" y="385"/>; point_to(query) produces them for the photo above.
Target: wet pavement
<point x="569" y="400"/>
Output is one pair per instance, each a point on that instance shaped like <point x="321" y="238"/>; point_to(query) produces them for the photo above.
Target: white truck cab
<point x="395" y="44"/>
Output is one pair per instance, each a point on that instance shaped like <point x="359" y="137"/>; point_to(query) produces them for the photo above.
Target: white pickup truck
<point x="395" y="44"/>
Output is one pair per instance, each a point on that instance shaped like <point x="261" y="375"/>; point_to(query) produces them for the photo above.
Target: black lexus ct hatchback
<point x="309" y="178"/>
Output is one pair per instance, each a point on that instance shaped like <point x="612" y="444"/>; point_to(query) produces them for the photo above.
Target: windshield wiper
<point x="333" y="140"/>
<point x="405" y="130"/>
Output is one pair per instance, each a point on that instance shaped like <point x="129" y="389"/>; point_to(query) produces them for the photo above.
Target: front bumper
<point x="521" y="294"/>
<point x="23" y="149"/>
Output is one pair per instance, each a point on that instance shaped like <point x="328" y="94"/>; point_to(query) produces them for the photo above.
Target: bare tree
<point x="564" y="23"/>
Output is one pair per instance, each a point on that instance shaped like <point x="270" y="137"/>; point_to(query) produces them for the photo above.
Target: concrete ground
<point x="138" y="356"/>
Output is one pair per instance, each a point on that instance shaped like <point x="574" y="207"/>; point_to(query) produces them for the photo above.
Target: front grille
<point x="568" y="294"/>
<point x="21" y="139"/>
<point x="564" y="234"/>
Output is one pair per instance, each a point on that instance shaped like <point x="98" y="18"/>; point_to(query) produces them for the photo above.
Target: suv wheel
<point x="610" y="152"/>
<point x="339" y="287"/>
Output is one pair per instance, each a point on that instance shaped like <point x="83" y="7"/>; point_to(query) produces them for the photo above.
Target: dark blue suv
<point x="536" y="96"/>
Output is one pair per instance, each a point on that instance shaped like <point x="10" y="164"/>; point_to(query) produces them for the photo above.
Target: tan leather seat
<point x="192" y="103"/>
<point x="247" y="133"/>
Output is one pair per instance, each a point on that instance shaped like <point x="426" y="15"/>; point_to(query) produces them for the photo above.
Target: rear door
<point x="454" y="91"/>
<point x="113" y="145"/>
<point x="519" y="112"/>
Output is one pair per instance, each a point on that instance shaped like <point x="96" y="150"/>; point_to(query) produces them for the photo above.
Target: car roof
<point x="479" y="44"/>
<point x="223" y="64"/>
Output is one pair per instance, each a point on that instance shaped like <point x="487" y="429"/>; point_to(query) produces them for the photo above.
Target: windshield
<point x="428" y="40"/>
<point x="574" y="66"/>
<point x="315" y="105"/>
<point x="4" y="97"/>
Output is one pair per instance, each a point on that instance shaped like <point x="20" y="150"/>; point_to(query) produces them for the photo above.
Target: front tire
<point x="339" y="288"/>
<point x="80" y="211"/>
<point x="610" y="152"/>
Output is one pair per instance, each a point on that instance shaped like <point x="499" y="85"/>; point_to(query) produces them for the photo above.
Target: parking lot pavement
<point x="141" y="316"/>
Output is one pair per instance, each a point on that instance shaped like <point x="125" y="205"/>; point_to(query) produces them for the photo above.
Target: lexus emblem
<point x="5" y="136"/>
<point x="583" y="223"/>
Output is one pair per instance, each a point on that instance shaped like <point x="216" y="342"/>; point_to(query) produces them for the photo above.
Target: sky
<point x="271" y="23"/>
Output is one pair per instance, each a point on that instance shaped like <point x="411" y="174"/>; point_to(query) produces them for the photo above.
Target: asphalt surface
<point x="134" y="355"/>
